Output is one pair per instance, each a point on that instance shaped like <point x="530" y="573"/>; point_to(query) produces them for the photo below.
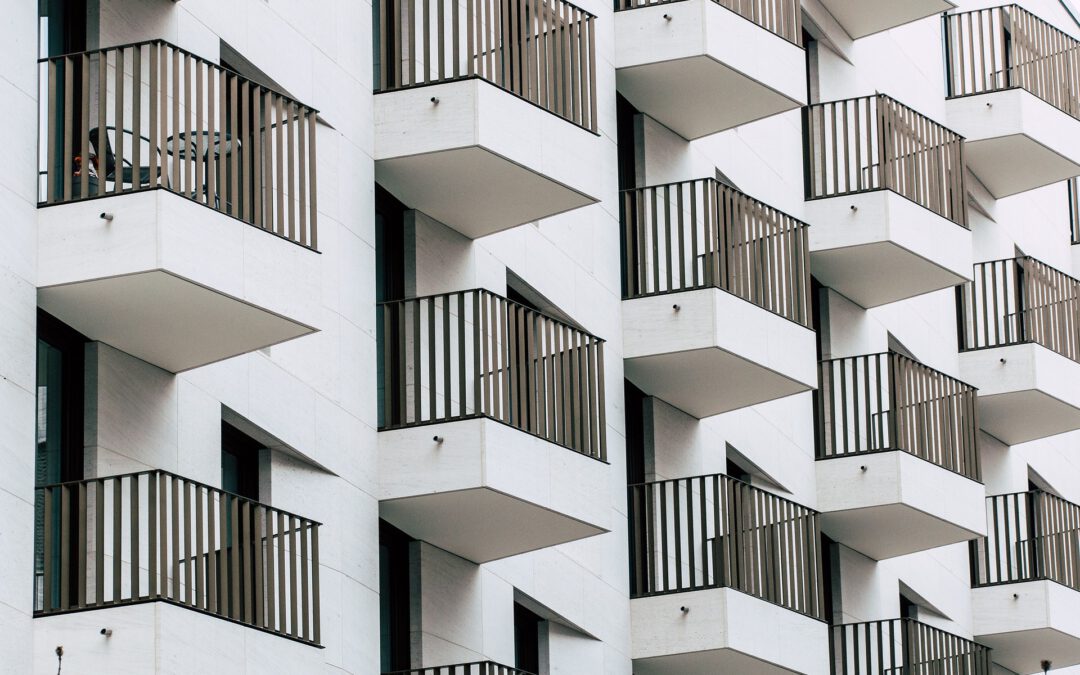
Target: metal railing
<point x="152" y="115"/>
<point x="905" y="647"/>
<point x="876" y="143"/>
<point x="477" y="668"/>
<point x="704" y="234"/>
<point x="154" y="536"/>
<point x="1016" y="301"/>
<point x="780" y="17"/>
<point x="475" y="354"/>
<point x="1074" y="210"/>
<point x="1008" y="47"/>
<point x="887" y="401"/>
<point x="541" y="50"/>
<point x="1030" y="536"/>
<point x="704" y="532"/>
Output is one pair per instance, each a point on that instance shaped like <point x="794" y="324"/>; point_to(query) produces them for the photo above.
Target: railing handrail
<point x="714" y="181"/>
<point x="907" y="620"/>
<point x="1017" y="7"/>
<point x="903" y="357"/>
<point x="726" y="477"/>
<point x="887" y="97"/>
<point x="478" y="289"/>
<point x="170" y="474"/>
<point x="201" y="59"/>
<point x="510" y="670"/>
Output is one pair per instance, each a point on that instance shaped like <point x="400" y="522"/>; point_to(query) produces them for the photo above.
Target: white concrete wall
<point x="18" y="201"/>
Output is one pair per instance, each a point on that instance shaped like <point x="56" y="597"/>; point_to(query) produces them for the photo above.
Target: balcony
<point x="492" y="435"/>
<point x="477" y="668"/>
<point x="1026" y="579"/>
<point x="1020" y="345"/>
<point x="898" y="461"/>
<point x="703" y="66"/>
<point x="485" y="122"/>
<point x="716" y="289"/>
<point x="860" y="18"/>
<point x="188" y="235"/>
<point x="1014" y="93"/>
<point x="725" y="578"/>
<point x="156" y="537"/>
<point x="885" y="195"/>
<point x="903" y="647"/>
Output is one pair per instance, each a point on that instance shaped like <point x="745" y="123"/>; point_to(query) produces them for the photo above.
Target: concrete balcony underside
<point x="1015" y="141"/>
<point x="706" y="69"/>
<point x="898" y="504"/>
<point x="716" y="353"/>
<point x="724" y="631"/>
<point x="885" y="249"/>
<point x="170" y="281"/>
<point x="1026" y="391"/>
<point x="487" y="490"/>
<point x="860" y="18"/>
<point x="1041" y="622"/>
<point x="481" y="159"/>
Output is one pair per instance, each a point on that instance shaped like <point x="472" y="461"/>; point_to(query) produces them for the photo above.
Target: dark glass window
<point x="394" y="597"/>
<point x="239" y="462"/>
<point x="526" y="639"/>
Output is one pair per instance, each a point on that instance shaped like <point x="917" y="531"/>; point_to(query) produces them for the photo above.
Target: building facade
<point x="529" y="337"/>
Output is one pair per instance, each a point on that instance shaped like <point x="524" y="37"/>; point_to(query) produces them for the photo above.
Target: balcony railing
<point x="714" y="531"/>
<point x="152" y="115"/>
<point x="886" y="401"/>
<point x="780" y="17"/>
<point x="1030" y="536"/>
<point x="1017" y="301"/>
<point x="1008" y="47"/>
<point x="475" y="354"/>
<point x="704" y="234"/>
<point x="154" y="536"/>
<point x="905" y="647"/>
<point x="478" y="668"/>
<point x="876" y="143"/>
<point x="543" y="51"/>
<point x="1074" y="210"/>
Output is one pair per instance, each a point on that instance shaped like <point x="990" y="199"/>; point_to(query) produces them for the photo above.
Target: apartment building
<point x="530" y="337"/>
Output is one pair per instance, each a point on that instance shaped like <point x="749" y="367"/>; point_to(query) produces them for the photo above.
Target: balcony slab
<point x="1026" y="391"/>
<point x="885" y="249"/>
<point x="724" y="631"/>
<point x="481" y="159"/>
<point x="1027" y="622"/>
<point x="899" y="504"/>
<point x="716" y="353"/>
<point x="860" y="18"/>
<point x="173" y="282"/>
<point x="1015" y="141"/>
<point x="487" y="490"/>
<point x="706" y="69"/>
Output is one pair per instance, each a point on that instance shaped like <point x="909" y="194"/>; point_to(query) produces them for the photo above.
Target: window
<point x="635" y="433"/>
<point x="394" y="598"/>
<point x="389" y="285"/>
<point x="526" y="639"/>
<point x="239" y="462"/>
<point x="58" y="453"/>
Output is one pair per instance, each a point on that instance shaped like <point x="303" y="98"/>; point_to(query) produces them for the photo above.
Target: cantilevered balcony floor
<point x="715" y="353"/>
<point x="699" y="68"/>
<point x="171" y="281"/>
<point x="488" y="491"/>
<point x="480" y="159"/>
<point x="860" y="18"/>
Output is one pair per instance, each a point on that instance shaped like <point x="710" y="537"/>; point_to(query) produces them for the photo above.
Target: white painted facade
<point x="156" y="401"/>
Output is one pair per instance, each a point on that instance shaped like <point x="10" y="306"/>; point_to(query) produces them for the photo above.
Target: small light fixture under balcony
<point x="684" y="609"/>
<point x="107" y="632"/>
<point x="105" y="215"/>
<point x="1045" y="664"/>
<point x="676" y="307"/>
<point x="435" y="100"/>
<point x="438" y="439"/>
<point x="667" y="17"/>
